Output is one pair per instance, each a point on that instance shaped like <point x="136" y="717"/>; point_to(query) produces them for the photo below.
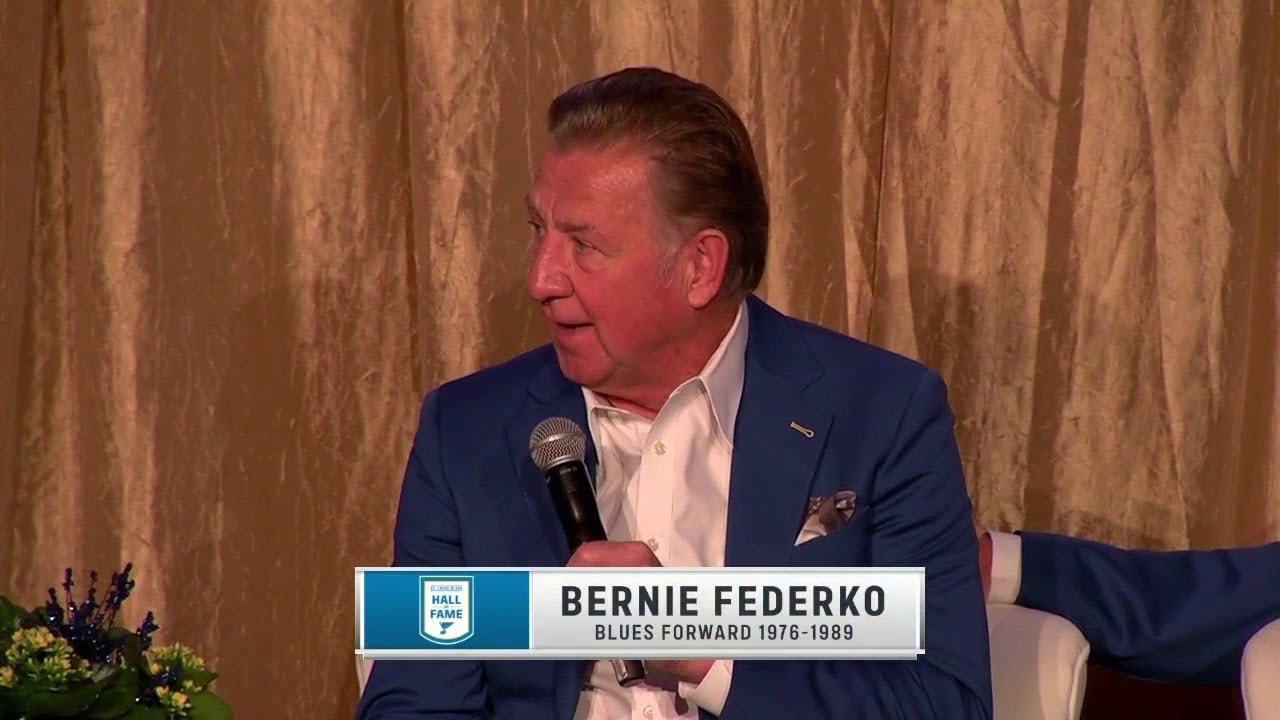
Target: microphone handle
<point x="575" y="503"/>
<point x="628" y="672"/>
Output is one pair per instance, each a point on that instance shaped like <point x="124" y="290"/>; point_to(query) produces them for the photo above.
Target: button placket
<point x="654" y="509"/>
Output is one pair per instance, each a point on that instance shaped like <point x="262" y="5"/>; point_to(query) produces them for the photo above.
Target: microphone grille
<point x="556" y="440"/>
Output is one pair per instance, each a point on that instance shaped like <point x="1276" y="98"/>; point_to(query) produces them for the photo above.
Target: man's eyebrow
<point x="570" y="227"/>
<point x="531" y="208"/>
<point x="561" y="225"/>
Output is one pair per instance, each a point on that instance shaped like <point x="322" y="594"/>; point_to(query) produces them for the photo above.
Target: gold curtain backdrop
<point x="240" y="241"/>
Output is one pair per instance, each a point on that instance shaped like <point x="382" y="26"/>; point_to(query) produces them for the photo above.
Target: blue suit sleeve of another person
<point x="426" y="535"/>
<point x="921" y="517"/>
<point x="1178" y="617"/>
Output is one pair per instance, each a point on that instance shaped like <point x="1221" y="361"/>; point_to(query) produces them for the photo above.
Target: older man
<point x="713" y="422"/>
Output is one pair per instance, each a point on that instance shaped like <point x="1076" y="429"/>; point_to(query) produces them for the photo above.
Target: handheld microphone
<point x="559" y="447"/>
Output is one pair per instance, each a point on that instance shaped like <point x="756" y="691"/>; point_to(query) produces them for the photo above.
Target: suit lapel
<point x="529" y="519"/>
<point x="778" y="441"/>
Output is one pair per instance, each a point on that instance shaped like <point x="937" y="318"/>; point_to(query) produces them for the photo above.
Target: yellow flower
<point x="174" y="703"/>
<point x="33" y="638"/>
<point x="177" y="657"/>
<point x="37" y="645"/>
<point x="8" y="678"/>
<point x="42" y="638"/>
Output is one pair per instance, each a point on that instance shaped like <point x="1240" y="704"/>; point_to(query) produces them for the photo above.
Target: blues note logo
<point x="446" y="609"/>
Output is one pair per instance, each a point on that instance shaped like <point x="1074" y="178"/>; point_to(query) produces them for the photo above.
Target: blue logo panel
<point x="446" y="611"/>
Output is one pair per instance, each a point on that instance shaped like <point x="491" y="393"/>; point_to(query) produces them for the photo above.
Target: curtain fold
<point x="239" y="243"/>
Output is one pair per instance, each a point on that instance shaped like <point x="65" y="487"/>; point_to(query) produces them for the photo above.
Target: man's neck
<point x="685" y="362"/>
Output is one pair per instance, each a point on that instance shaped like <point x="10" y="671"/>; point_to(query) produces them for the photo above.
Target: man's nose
<point x="547" y="278"/>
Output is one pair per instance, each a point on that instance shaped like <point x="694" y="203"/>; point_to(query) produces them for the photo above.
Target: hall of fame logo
<point x="446" y="609"/>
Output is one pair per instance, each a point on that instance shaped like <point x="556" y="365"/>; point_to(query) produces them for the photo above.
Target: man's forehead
<point x="587" y="175"/>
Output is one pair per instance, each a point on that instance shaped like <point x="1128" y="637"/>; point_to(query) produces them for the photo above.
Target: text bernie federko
<point x="739" y="600"/>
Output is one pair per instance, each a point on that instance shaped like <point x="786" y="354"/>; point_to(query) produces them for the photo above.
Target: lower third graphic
<point x="446" y="609"/>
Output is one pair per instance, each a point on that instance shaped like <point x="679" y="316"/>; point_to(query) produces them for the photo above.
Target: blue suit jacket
<point x="882" y="427"/>
<point x="1178" y="617"/>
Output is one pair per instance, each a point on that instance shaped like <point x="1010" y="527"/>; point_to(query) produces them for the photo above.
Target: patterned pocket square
<point x="825" y="515"/>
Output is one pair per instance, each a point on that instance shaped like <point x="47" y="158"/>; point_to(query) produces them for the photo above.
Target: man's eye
<point x="580" y="246"/>
<point x="537" y="229"/>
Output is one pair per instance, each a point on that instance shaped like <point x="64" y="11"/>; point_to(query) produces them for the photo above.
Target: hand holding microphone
<point x="558" y="446"/>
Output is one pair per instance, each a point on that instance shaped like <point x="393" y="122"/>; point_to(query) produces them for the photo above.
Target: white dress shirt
<point x="1006" y="567"/>
<point x="665" y="482"/>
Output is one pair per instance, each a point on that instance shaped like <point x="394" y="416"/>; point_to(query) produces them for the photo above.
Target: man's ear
<point x="707" y="261"/>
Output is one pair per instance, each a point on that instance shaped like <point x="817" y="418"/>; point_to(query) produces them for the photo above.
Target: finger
<point x="613" y="554"/>
<point x="589" y="554"/>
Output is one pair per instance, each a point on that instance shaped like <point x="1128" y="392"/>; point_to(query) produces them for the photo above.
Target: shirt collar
<point x="724" y="374"/>
<point x="722" y="377"/>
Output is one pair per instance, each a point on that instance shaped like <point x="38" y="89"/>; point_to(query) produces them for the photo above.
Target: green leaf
<point x="201" y="678"/>
<point x="70" y="702"/>
<point x="39" y="617"/>
<point x="118" y="693"/>
<point x="132" y="653"/>
<point x="207" y="706"/>
<point x="142" y="712"/>
<point x="10" y="615"/>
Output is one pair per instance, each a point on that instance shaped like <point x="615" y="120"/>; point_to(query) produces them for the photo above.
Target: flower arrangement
<point x="68" y="659"/>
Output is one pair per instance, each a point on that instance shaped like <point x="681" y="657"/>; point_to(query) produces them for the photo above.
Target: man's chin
<point x="579" y="370"/>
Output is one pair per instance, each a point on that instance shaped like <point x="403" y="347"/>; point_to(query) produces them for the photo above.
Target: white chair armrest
<point x="1260" y="674"/>
<point x="1038" y="664"/>
<point x="363" y="668"/>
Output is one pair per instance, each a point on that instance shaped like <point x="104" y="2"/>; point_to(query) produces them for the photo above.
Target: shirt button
<point x="659" y="448"/>
<point x="649" y="711"/>
<point x="652" y="543"/>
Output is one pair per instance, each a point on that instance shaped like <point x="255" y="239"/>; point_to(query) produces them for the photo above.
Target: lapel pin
<point x="801" y="429"/>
